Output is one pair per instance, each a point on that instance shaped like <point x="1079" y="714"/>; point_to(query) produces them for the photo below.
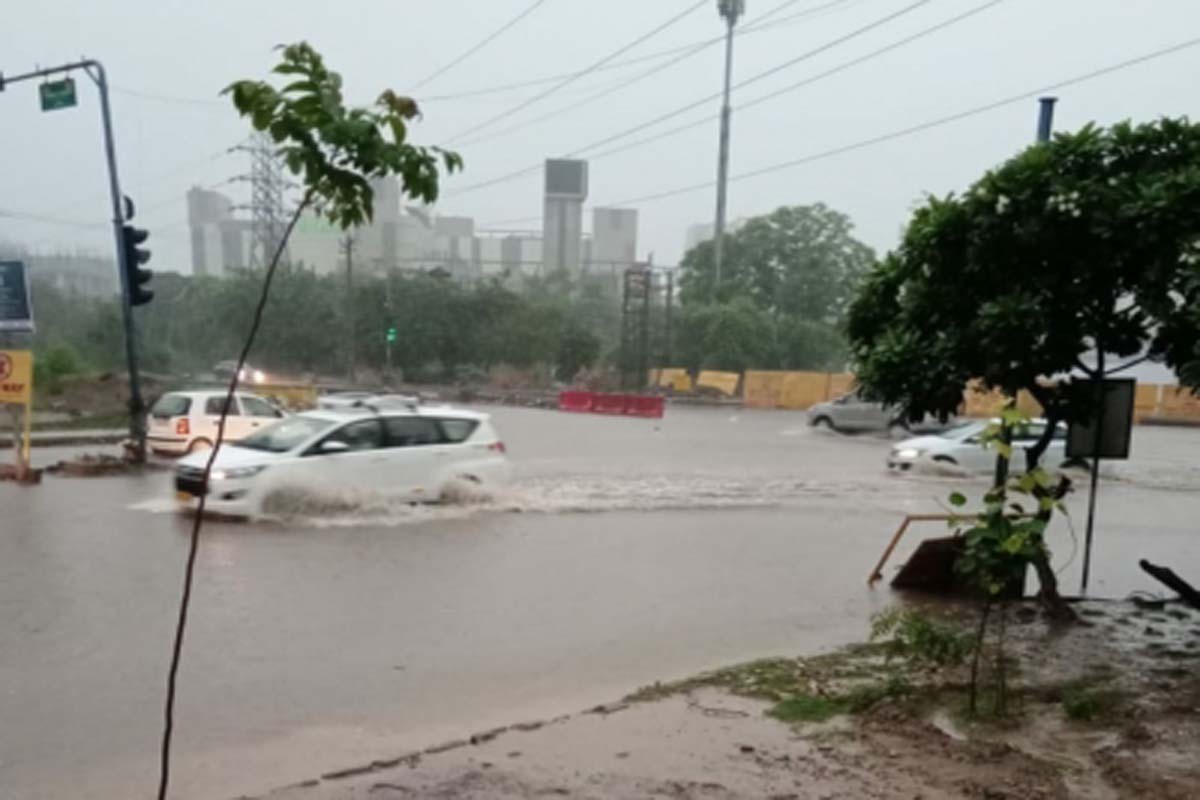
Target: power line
<point x="807" y="81"/>
<point x="475" y="48"/>
<point x="756" y="27"/>
<point x="924" y="126"/>
<point x="695" y="104"/>
<point x="577" y="75"/>
<point x="621" y="85"/>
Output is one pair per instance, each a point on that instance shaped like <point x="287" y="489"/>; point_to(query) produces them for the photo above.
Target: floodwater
<point x="626" y="552"/>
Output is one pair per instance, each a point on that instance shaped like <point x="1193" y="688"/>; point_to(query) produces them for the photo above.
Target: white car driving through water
<point x="962" y="446"/>
<point x="412" y="454"/>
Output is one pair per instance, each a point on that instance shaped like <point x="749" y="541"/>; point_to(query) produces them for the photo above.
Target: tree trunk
<point x="1048" y="595"/>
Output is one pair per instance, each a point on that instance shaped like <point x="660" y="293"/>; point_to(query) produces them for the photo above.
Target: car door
<point x="356" y="465"/>
<point x="418" y="457"/>
<point x="971" y="454"/>
<point x="206" y="425"/>
<point x="257" y="413"/>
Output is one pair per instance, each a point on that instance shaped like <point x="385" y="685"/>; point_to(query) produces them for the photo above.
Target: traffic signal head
<point x="135" y="256"/>
<point x="391" y="334"/>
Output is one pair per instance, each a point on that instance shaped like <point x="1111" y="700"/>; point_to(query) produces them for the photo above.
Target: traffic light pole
<point x="95" y="71"/>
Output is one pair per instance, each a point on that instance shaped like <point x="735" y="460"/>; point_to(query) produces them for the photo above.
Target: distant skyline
<point x="168" y="60"/>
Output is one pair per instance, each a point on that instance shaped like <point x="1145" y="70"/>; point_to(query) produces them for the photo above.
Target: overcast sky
<point x="167" y="59"/>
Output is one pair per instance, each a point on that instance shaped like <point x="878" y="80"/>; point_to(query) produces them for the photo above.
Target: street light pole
<point x="730" y="10"/>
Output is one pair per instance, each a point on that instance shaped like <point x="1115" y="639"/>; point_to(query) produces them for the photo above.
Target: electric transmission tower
<point x="268" y="214"/>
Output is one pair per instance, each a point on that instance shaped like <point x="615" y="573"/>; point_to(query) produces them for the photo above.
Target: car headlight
<point x="908" y="452"/>
<point x="260" y="376"/>
<point x="234" y="473"/>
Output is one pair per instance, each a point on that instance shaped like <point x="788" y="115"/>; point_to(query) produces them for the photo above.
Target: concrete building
<point x="566" y="188"/>
<point x="219" y="241"/>
<point x="614" y="239"/>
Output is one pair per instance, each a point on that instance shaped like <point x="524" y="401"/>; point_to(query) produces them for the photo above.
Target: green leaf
<point x="958" y="499"/>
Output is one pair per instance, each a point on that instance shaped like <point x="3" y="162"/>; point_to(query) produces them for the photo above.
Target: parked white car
<point x="413" y="454"/>
<point x="962" y="447"/>
<point x="850" y="413"/>
<point x="185" y="422"/>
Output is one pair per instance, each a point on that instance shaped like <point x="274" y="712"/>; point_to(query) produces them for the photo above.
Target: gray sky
<point x="167" y="59"/>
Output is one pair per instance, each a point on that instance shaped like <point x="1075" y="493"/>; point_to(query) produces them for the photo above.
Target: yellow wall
<point x="800" y="390"/>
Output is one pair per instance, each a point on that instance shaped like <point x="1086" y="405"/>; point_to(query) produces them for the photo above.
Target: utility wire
<point x="482" y="43"/>
<point x="694" y="50"/>
<point x="697" y="103"/>
<point x="924" y="126"/>
<point x="577" y="75"/>
<point x="807" y="81"/>
<point x="898" y="134"/>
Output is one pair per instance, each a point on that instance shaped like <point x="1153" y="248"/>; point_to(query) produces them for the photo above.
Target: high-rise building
<point x="614" y="238"/>
<point x="562" y="220"/>
<point x="216" y="235"/>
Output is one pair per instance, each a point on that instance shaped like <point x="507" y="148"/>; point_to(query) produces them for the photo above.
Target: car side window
<point x="411" y="431"/>
<point x="257" y="407"/>
<point x="214" y="404"/>
<point x="458" y="430"/>
<point x="362" y="435"/>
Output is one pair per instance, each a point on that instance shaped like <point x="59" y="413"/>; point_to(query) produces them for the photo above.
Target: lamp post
<point x="729" y="10"/>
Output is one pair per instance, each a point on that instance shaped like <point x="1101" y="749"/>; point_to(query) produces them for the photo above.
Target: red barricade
<point x="630" y="405"/>
<point x="640" y="406"/>
<point x="579" y="402"/>
<point x="608" y="403"/>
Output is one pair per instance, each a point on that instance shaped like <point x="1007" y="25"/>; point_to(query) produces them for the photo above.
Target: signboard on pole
<point x="16" y="376"/>
<point x="57" y="94"/>
<point x="1113" y="416"/>
<point x="16" y="307"/>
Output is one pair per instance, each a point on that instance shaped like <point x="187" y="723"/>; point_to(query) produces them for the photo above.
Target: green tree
<point x="800" y="264"/>
<point x="1089" y="242"/>
<point x="1086" y="243"/>
<point x="732" y="336"/>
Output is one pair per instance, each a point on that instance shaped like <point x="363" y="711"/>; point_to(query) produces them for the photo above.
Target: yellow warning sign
<point x="16" y="376"/>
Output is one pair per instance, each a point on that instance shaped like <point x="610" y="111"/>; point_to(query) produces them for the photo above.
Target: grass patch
<point x="807" y="708"/>
<point x="1088" y="700"/>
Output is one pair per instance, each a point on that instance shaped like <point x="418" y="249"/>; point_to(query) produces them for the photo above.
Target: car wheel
<point x="824" y="422"/>
<point x="199" y="445"/>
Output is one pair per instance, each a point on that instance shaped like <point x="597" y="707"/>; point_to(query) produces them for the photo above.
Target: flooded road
<point x="628" y="551"/>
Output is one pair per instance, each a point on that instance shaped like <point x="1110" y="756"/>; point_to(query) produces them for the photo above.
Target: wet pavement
<point x="628" y="551"/>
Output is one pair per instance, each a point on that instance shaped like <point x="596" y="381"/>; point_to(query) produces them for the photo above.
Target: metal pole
<point x="137" y="421"/>
<point x="669" y="356"/>
<point x="1044" y="127"/>
<point x="348" y="249"/>
<point x="1095" y="476"/>
<point x="95" y="71"/>
<point x="730" y="12"/>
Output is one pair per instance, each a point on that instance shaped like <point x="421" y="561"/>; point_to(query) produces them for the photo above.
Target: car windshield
<point x="286" y="434"/>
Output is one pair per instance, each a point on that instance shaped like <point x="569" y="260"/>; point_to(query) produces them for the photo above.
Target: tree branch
<point x="1088" y="370"/>
<point x="1128" y="364"/>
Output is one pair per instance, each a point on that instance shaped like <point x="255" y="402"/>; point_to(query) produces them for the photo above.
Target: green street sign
<point x="391" y="334"/>
<point x="57" y="94"/>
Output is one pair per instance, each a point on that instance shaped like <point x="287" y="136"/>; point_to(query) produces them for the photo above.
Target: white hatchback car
<point x="416" y="454"/>
<point x="962" y="447"/>
<point x="185" y="422"/>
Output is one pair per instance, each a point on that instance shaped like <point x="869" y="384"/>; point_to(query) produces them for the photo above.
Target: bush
<point x="920" y="641"/>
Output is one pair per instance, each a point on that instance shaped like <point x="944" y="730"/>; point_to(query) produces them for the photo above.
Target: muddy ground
<point x="1108" y="708"/>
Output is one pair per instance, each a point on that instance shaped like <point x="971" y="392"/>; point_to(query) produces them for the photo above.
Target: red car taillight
<point x="181" y="427"/>
<point x="497" y="447"/>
